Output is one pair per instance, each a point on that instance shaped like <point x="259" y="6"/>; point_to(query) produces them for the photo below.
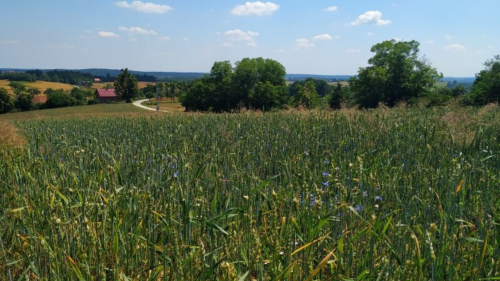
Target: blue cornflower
<point x="378" y="198"/>
<point x="176" y="173"/>
<point x="327" y="162"/>
<point x="325" y="174"/>
<point x="358" y="208"/>
<point x="325" y="183"/>
<point x="172" y="166"/>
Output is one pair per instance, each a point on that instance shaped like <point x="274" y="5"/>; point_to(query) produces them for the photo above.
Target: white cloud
<point x="9" y="42"/>
<point x="237" y="35"/>
<point x="304" y="43"/>
<point x="107" y="34"/>
<point x="353" y="51"/>
<point x="166" y="38"/>
<point x="371" y="17"/>
<point x="326" y="37"/>
<point x="455" y="47"/>
<point x="255" y="8"/>
<point x="227" y="45"/>
<point x="144" y="7"/>
<point x="331" y="9"/>
<point x="281" y="51"/>
<point x="137" y="30"/>
<point x="89" y="31"/>
<point x="369" y="34"/>
<point x="185" y="39"/>
<point x="448" y="37"/>
<point x="429" y="41"/>
<point x="491" y="47"/>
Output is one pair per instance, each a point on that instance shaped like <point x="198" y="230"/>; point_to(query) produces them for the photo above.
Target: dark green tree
<point x="307" y="95"/>
<point x="6" y="102"/>
<point x="486" y="88"/>
<point x="335" y="97"/>
<point x="395" y="73"/>
<point x="24" y="101"/>
<point x="126" y="86"/>
<point x="58" y="98"/>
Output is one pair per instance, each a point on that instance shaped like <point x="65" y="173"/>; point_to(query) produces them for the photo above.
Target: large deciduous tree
<point x="126" y="86"/>
<point x="486" y="88"/>
<point x="395" y="73"/>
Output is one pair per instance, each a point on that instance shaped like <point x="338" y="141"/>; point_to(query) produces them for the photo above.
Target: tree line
<point x="396" y="73"/>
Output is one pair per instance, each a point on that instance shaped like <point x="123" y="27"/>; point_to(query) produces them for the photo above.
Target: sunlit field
<point x="400" y="194"/>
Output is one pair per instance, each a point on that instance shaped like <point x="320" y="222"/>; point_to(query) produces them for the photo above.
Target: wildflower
<point x="365" y="193"/>
<point x="245" y="197"/>
<point x="327" y="162"/>
<point x="325" y="183"/>
<point x="282" y="253"/>
<point x="176" y="173"/>
<point x="325" y="174"/>
<point x="378" y="198"/>
<point x="358" y="208"/>
<point x="172" y="166"/>
<point x="306" y="153"/>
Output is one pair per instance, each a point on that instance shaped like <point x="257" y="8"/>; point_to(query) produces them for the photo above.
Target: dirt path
<point x="138" y="104"/>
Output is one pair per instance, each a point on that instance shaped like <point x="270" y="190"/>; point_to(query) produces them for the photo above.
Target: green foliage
<point x="24" y="101"/>
<point x="396" y="73"/>
<point x="79" y="96"/>
<point x="254" y="83"/>
<point x="149" y="91"/>
<point x="486" y="88"/>
<point x="17" y="87"/>
<point x="18" y="76"/>
<point x="126" y="86"/>
<point x="59" y="98"/>
<point x="63" y="76"/>
<point x="306" y="95"/>
<point x="6" y="102"/>
<point x="335" y="98"/>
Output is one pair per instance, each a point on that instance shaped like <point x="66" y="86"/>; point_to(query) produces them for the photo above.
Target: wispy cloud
<point x="353" y="51"/>
<point x="165" y="38"/>
<point x="185" y="39"/>
<point x="490" y="47"/>
<point x="227" y="45"/>
<point x="304" y="43"/>
<point x="142" y="7"/>
<point x="429" y="41"/>
<point x="322" y="37"/>
<point x="237" y="35"/>
<point x="455" y="47"/>
<point x="108" y="34"/>
<point x="255" y="8"/>
<point x="137" y="30"/>
<point x="371" y="17"/>
<point x="331" y="9"/>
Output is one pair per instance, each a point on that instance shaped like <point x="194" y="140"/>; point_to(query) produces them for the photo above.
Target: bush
<point x="59" y="98"/>
<point x="6" y="103"/>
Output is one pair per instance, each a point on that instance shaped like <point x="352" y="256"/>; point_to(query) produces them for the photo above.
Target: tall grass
<point x="377" y="195"/>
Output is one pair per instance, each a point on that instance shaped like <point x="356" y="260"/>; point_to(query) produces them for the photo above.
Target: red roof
<point x="40" y="99"/>
<point x="109" y="93"/>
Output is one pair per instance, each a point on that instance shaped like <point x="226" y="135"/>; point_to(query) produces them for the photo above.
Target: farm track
<point x="139" y="104"/>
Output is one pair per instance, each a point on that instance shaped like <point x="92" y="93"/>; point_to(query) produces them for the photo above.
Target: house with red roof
<point x="106" y="95"/>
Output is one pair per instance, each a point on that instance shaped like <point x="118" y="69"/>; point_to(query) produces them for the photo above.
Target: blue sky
<point x="314" y="37"/>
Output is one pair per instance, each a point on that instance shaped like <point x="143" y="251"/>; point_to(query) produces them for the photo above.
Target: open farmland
<point x="40" y="85"/>
<point x="390" y="194"/>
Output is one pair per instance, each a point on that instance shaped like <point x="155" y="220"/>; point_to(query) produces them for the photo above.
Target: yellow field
<point x="40" y="85"/>
<point x="103" y="85"/>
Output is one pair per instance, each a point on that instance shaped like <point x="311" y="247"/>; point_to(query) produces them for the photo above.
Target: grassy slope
<point x="166" y="105"/>
<point x="99" y="110"/>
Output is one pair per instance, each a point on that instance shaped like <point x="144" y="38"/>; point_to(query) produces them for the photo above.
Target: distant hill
<point x="161" y="75"/>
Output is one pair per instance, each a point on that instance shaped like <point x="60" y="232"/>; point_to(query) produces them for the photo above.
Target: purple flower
<point x="378" y="198"/>
<point x="172" y="166"/>
<point x="176" y="173"/>
<point x="358" y="208"/>
<point x="327" y="162"/>
<point x="325" y="183"/>
<point x="325" y="174"/>
<point x="365" y="193"/>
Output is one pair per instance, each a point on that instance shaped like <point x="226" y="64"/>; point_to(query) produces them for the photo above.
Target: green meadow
<point x="386" y="194"/>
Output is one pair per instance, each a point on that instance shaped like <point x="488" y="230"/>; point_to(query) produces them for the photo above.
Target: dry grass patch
<point x="9" y="137"/>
